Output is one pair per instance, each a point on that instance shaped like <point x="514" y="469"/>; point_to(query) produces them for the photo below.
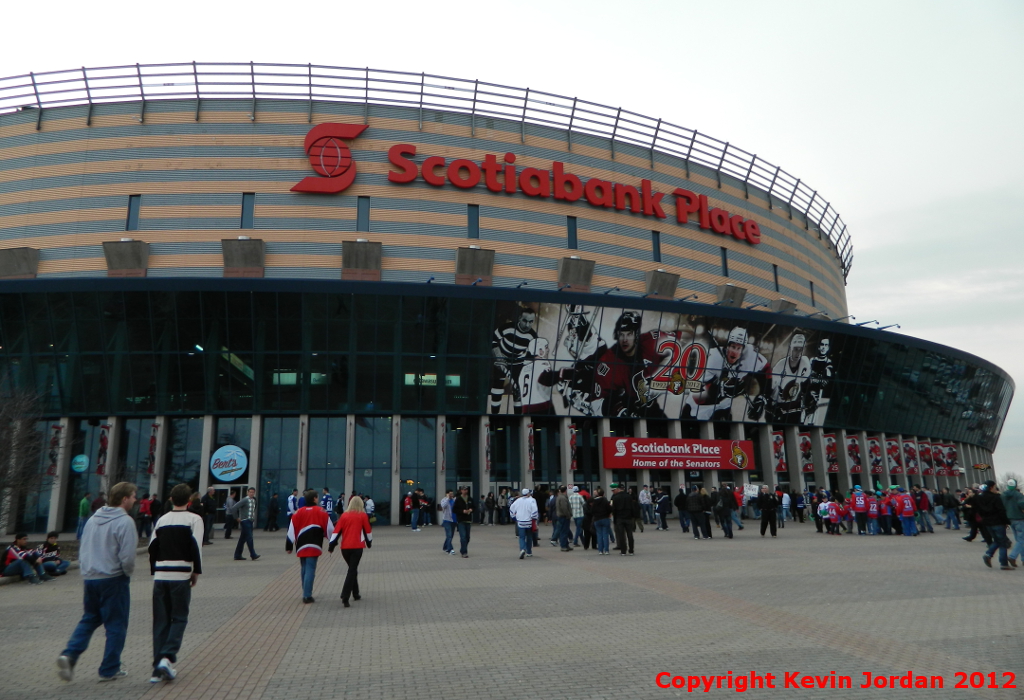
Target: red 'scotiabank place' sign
<point x="332" y="161"/>
<point x="669" y="453"/>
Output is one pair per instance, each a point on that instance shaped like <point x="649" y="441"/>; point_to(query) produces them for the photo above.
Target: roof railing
<point x="371" y="86"/>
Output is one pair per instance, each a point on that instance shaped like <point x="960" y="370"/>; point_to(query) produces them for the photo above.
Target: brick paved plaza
<point x="560" y="625"/>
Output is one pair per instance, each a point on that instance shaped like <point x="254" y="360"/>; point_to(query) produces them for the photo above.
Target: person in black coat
<point x="768" y="503"/>
<point x="726" y="503"/>
<point x="662" y="507"/>
<point x="680" y="504"/>
<point x="695" y="508"/>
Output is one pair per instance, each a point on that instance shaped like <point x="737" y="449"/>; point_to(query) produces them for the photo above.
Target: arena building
<point x="303" y="276"/>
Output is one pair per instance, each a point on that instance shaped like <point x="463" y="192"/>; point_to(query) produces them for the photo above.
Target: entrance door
<point x="373" y="464"/>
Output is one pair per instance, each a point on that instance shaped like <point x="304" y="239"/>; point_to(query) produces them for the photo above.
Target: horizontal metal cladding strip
<point x="225" y="223"/>
<point x="64" y="217"/>
<point x="171" y="272"/>
<point x="317" y="273"/>
<point x="599" y="159"/>
<point x="186" y="248"/>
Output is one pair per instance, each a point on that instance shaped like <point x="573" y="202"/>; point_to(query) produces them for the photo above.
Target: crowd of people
<point x="178" y="528"/>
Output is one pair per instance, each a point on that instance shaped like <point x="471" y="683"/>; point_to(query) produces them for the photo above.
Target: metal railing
<point x="369" y="86"/>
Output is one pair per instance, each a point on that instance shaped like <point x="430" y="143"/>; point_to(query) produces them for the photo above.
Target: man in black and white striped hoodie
<point x="175" y="560"/>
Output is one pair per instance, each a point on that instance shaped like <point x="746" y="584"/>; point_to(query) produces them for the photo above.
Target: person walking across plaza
<point x="601" y="511"/>
<point x="175" y="561"/>
<point x="646" y="505"/>
<point x="448" y="520"/>
<point x="680" y="504"/>
<point x="1013" y="504"/>
<point x="625" y="510"/>
<point x="273" y="511"/>
<point x="525" y="514"/>
<point x="209" y="502"/>
<point x="768" y="504"/>
<point x="576" y="503"/>
<point x="992" y="510"/>
<point x="463" y="511"/>
<point x="229" y="513"/>
<point x="246" y="513"/>
<point x="84" y="511"/>
<point x="726" y="504"/>
<point x="563" y="513"/>
<point x="107" y="560"/>
<point x="355" y="534"/>
<point x="307" y="529"/>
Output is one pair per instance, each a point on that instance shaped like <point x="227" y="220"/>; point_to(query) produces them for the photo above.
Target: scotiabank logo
<point x="330" y="158"/>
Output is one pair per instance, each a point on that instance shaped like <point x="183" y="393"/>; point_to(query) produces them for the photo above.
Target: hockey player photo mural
<point x="509" y="345"/>
<point x="577" y="351"/>
<point x="789" y="383"/>
<point x="819" y="384"/>
<point x="536" y="379"/>
<point x="627" y="372"/>
<point x="735" y="370"/>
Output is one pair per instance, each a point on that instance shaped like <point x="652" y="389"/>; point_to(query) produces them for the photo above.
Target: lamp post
<point x="891" y="325"/>
<point x="865" y="323"/>
<point x="754" y="306"/>
<point x="837" y="320"/>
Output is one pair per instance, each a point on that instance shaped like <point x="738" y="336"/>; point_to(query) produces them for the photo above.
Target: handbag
<point x="373" y="519"/>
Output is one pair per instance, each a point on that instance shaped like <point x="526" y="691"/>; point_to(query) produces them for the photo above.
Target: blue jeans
<point x="107" y="602"/>
<point x="648" y="512"/>
<point x="1018" y="536"/>
<point x="449" y="530"/>
<point x="684" y="520"/>
<point x="464" y="537"/>
<point x="81" y="527"/>
<point x="307" y="574"/>
<point x="737" y="519"/>
<point x="171" y="600"/>
<point x="58" y="568"/>
<point x="414" y="518"/>
<point x="952" y="519"/>
<point x="525" y="538"/>
<point x="909" y="525"/>
<point x="244" y="537"/>
<point x="20" y="567"/>
<point x="999" y="541"/>
<point x="579" y="529"/>
<point x="726" y="521"/>
<point x="873" y="526"/>
<point x="926" y="525"/>
<point x="563" y="533"/>
<point x="604" y="534"/>
<point x="783" y="515"/>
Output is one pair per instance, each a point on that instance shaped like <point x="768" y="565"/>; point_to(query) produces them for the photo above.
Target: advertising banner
<point x="668" y="453"/>
<point x="806" y="459"/>
<point x="229" y="463"/>
<point x="853" y="453"/>
<point x="578" y="360"/>
<point x="952" y="459"/>
<point x="892" y="456"/>
<point x="831" y="453"/>
<point x="875" y="455"/>
<point x="910" y="456"/>
<point x="779" y="452"/>
<point x="924" y="451"/>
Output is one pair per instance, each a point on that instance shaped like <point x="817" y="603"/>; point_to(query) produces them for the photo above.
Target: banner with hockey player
<point x="892" y="454"/>
<point x="806" y="456"/>
<point x="779" y="452"/>
<point x="831" y="453"/>
<point x="910" y="456"/>
<point x="853" y="454"/>
<point x="875" y="455"/>
<point x="924" y="451"/>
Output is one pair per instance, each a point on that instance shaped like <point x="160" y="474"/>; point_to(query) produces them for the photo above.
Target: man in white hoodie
<point x="107" y="559"/>
<point x="524" y="513"/>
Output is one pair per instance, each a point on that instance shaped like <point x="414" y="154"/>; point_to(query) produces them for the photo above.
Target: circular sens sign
<point x="80" y="464"/>
<point x="228" y="463"/>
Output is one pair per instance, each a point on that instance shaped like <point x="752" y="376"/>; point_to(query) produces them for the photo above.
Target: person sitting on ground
<point x="49" y="556"/>
<point x="24" y="562"/>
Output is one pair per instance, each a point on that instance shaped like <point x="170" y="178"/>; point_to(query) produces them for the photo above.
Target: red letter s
<point x="407" y="169"/>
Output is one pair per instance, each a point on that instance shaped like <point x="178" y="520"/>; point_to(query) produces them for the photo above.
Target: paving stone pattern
<point x="559" y="625"/>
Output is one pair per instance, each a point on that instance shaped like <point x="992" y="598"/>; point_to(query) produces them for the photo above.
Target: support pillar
<point x="397" y="487"/>
<point x="675" y="432"/>
<point x="565" y="448"/>
<point x="766" y="452"/>
<point x="209" y="433"/>
<point x="114" y="469"/>
<point x="791" y="436"/>
<point x="350" y="459"/>
<point x="59" y="487"/>
<point x="302" y="458"/>
<point x="820" y="463"/>
<point x="440" y="437"/>
<point x="524" y="451"/>
<point x="255" y="445"/>
<point x="643" y="476"/>
<point x="156" y="479"/>
<point x="482" y="477"/>
<point x="843" y="461"/>
<point x="710" y="476"/>
<point x="604" y="429"/>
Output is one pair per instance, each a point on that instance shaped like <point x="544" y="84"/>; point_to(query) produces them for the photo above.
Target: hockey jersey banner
<point x="668" y="453"/>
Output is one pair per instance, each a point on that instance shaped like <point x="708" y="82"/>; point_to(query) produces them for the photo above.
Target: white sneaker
<point x="165" y="670"/>
<point x="65" y="668"/>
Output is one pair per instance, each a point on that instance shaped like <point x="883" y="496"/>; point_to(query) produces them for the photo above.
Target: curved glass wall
<point x="462" y="351"/>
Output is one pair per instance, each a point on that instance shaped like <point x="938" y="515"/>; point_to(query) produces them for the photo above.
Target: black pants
<point x="664" y="521"/>
<point x="587" y="533"/>
<point x="862" y="522"/>
<point x="817" y="521"/>
<point x="697" y="524"/>
<point x="171" y="601"/>
<point x="800" y="514"/>
<point x="207" y="528"/>
<point x="351" y="585"/>
<point x="229" y="525"/>
<point x="624" y="533"/>
<point x="768" y="519"/>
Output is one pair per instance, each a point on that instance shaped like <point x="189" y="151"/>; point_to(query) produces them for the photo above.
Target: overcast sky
<point x="905" y="115"/>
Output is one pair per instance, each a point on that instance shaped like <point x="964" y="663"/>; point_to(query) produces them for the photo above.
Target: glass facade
<point x="184" y="454"/>
<point x="279" y="458"/>
<point x="373" y="463"/>
<point x="325" y="463"/>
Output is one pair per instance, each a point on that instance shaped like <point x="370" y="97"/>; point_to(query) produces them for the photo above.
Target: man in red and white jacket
<point x="307" y="529"/>
<point x="859" y="506"/>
